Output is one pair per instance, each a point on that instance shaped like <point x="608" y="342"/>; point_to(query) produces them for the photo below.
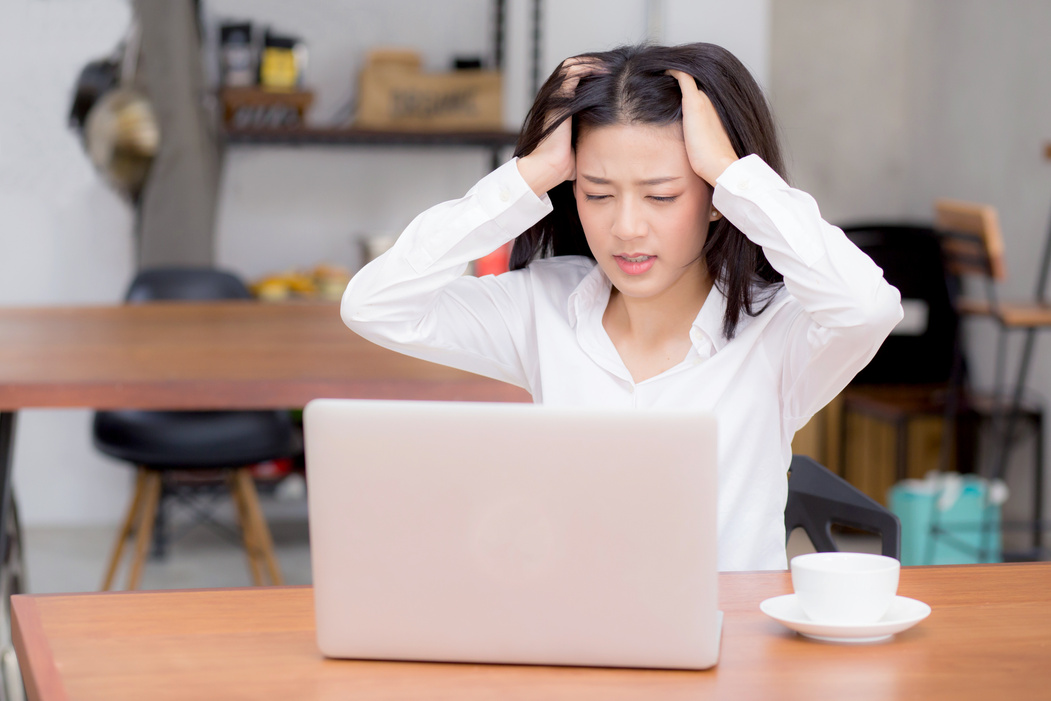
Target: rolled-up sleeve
<point x="847" y="307"/>
<point x="415" y="298"/>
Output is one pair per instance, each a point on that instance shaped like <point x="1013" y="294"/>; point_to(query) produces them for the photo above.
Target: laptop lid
<point x="513" y="533"/>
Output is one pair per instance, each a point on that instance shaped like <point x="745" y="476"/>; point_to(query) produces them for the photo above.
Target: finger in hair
<point x="688" y="85"/>
<point x="577" y="67"/>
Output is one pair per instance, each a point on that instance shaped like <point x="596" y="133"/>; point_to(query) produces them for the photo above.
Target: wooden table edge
<point x="44" y="681"/>
<point x="39" y="671"/>
<point x="210" y="394"/>
<point x="165" y="592"/>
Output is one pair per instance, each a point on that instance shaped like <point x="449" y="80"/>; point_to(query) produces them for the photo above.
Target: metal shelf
<point x="494" y="141"/>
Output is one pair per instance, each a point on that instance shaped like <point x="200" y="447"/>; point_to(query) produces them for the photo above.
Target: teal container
<point x="949" y="519"/>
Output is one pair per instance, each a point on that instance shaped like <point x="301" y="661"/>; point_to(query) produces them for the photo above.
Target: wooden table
<point x="218" y="355"/>
<point x="989" y="637"/>
<point x="211" y="355"/>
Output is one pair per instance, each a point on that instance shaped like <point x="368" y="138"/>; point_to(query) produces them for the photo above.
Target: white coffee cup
<point x="845" y="588"/>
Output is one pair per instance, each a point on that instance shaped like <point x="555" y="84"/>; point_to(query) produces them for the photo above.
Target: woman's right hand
<point x="553" y="162"/>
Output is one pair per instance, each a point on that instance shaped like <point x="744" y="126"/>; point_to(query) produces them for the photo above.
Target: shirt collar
<point x="592" y="294"/>
<point x="709" y="322"/>
<point x="708" y="326"/>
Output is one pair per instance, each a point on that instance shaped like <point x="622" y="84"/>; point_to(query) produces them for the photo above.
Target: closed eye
<point x="593" y="198"/>
<point x="659" y="198"/>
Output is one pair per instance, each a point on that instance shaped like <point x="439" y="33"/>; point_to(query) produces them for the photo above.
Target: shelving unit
<point x="494" y="141"/>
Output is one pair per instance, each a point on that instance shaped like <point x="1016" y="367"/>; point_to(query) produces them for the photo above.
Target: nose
<point x="628" y="222"/>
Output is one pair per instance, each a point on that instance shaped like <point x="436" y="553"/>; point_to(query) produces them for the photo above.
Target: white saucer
<point x="903" y="614"/>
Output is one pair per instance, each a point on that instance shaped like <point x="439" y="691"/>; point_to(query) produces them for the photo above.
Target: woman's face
<point x="645" y="212"/>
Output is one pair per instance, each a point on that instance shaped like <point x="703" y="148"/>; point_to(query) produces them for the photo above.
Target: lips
<point x="635" y="263"/>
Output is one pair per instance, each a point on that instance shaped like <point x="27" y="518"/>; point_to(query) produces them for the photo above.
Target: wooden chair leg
<point x="125" y="529"/>
<point x="247" y="533"/>
<point x="151" y="497"/>
<point x="260" y="529"/>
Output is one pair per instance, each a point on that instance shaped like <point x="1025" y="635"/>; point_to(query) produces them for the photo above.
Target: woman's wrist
<point x="715" y="169"/>
<point x="540" y="176"/>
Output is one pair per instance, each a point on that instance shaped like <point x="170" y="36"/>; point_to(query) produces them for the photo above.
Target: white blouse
<point x="541" y="328"/>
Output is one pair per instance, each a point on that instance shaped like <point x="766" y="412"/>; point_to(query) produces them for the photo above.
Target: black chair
<point x="923" y="372"/>
<point x="911" y="259"/>
<point x="910" y="375"/>
<point x="819" y="499"/>
<point x="163" y="444"/>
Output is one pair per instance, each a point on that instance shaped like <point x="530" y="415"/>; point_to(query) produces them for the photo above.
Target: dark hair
<point x="631" y="87"/>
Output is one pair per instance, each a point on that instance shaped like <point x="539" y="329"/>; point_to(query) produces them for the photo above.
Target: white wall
<point x="285" y="207"/>
<point x="66" y="238"/>
<point x="589" y="25"/>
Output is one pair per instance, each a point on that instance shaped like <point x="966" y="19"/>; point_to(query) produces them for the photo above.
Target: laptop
<point x="513" y="533"/>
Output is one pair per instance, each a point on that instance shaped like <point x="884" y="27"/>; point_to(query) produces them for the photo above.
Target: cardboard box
<point x="393" y="93"/>
<point x="255" y="108"/>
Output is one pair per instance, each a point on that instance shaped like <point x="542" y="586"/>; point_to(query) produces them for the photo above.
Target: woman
<point x="660" y="260"/>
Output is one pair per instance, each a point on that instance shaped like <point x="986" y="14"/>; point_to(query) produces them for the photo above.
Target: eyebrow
<point x="651" y="181"/>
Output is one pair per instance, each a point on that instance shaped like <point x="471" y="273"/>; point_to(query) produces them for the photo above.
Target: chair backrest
<point x="818" y="499"/>
<point x="185" y="283"/>
<point x="972" y="243"/>
<point x="921" y="349"/>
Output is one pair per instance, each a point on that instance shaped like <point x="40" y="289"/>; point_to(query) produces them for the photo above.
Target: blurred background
<point x="883" y="106"/>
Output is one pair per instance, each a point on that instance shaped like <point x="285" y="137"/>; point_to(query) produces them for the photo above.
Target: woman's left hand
<point x="707" y="145"/>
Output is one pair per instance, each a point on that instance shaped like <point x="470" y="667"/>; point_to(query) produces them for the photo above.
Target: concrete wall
<point x="841" y="86"/>
<point x="886" y="105"/>
<point x="987" y="109"/>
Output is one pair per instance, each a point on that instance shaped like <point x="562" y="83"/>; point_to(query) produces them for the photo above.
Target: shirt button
<point x="504" y="195"/>
<point x="745" y="184"/>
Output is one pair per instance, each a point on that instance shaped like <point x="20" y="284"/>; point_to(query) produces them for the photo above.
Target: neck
<point x="656" y="320"/>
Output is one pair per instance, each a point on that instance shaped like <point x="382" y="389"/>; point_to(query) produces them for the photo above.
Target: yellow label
<point x="278" y="68"/>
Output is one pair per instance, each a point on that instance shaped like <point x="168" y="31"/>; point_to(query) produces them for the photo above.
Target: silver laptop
<point x="513" y="533"/>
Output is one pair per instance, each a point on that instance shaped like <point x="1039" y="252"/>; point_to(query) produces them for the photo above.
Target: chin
<point x="636" y="289"/>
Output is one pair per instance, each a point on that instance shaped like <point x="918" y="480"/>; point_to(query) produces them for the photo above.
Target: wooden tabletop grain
<point x="210" y="355"/>
<point x="988" y="637"/>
